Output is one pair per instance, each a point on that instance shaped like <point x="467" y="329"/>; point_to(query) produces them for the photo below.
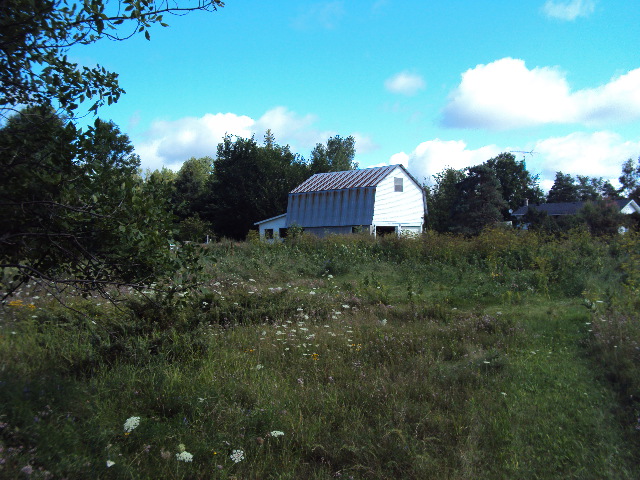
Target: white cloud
<point x="364" y="143"/>
<point x="405" y="83"/>
<point x="169" y="143"/>
<point x="324" y="14"/>
<point x="596" y="154"/>
<point x="569" y="10"/>
<point x="433" y="156"/>
<point x="505" y="94"/>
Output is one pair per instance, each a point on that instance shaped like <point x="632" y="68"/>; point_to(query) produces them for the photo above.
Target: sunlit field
<point x="509" y="355"/>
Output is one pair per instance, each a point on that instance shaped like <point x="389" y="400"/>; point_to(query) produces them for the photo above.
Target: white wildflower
<point x="110" y="463"/>
<point x="276" y="433"/>
<point x="131" y="424"/>
<point x="184" y="457"/>
<point x="237" y="456"/>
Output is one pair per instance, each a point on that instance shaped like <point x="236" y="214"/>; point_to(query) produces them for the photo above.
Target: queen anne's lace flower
<point x="131" y="424"/>
<point x="237" y="456"/>
<point x="184" y="457"/>
<point x="276" y="433"/>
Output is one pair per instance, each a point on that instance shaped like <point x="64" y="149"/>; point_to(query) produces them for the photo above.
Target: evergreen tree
<point x="564" y="189"/>
<point x="478" y="203"/>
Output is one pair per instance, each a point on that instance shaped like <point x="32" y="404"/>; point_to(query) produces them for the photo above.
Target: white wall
<point x="275" y="223"/>
<point x="404" y="208"/>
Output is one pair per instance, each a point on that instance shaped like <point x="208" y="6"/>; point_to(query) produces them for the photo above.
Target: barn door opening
<point x="380" y="231"/>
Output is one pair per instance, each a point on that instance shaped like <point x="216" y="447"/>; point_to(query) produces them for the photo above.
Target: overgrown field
<point x="509" y="355"/>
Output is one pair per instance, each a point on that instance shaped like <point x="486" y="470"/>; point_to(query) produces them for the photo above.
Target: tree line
<point x="76" y="212"/>
<point x="467" y="200"/>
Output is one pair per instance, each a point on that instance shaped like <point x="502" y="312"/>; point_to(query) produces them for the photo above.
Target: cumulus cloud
<point x="505" y="94"/>
<point x="323" y="14"/>
<point x="169" y="143"/>
<point x="569" y="10"/>
<point x="433" y="156"/>
<point x="405" y="83"/>
<point x="595" y="154"/>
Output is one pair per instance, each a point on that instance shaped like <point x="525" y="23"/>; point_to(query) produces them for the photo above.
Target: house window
<point x="282" y="232"/>
<point x="397" y="184"/>
<point x="268" y="233"/>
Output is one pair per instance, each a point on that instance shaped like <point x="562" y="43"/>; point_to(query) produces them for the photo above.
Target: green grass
<point x="437" y="357"/>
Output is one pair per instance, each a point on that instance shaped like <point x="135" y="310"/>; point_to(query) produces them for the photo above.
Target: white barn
<point x="378" y="200"/>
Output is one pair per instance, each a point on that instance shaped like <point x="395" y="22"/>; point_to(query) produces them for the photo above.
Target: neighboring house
<point x="377" y="200"/>
<point x="626" y="206"/>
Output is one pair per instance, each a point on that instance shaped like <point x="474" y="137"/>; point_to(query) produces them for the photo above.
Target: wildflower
<point x="315" y="356"/>
<point x="383" y="321"/>
<point x="184" y="457"/>
<point x="110" y="463"/>
<point x="259" y="367"/>
<point x="27" y="470"/>
<point x="312" y="292"/>
<point x="276" y="433"/>
<point x="131" y="424"/>
<point x="237" y="456"/>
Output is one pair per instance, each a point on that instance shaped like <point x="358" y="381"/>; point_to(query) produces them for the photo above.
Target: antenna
<point x="523" y="152"/>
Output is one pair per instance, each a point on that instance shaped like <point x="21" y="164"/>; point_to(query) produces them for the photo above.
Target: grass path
<point x="556" y="418"/>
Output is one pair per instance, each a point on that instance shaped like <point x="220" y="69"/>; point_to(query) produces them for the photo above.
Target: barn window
<point x="397" y="184"/>
<point x="268" y="233"/>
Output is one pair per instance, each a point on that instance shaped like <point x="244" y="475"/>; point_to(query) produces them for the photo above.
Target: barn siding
<point x="334" y="208"/>
<point x="399" y="208"/>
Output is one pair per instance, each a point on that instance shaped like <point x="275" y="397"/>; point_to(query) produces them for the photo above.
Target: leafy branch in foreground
<point x="75" y="213"/>
<point x="37" y="34"/>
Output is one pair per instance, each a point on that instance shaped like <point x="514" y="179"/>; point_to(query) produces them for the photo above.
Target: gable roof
<point x="368" y="177"/>
<point x="564" y="208"/>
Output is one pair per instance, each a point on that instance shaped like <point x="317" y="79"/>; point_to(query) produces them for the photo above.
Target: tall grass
<point x="503" y="356"/>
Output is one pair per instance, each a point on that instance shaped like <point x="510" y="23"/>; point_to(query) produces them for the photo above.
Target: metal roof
<point x="322" y="182"/>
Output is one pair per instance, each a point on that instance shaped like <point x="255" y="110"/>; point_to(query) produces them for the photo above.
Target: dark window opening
<point x="268" y="233"/>
<point x="397" y="184"/>
<point x="385" y="230"/>
<point x="282" y="232"/>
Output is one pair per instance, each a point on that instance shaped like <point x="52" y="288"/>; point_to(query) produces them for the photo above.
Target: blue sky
<point x="428" y="84"/>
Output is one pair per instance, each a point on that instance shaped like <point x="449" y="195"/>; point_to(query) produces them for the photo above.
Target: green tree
<point x="516" y="183"/>
<point x="251" y="182"/>
<point x="37" y="35"/>
<point x="74" y="212"/>
<point x="191" y="186"/>
<point x="630" y="179"/>
<point x="441" y="198"/>
<point x="478" y="203"/>
<point x="336" y="156"/>
<point x="563" y="189"/>
<point x="602" y="217"/>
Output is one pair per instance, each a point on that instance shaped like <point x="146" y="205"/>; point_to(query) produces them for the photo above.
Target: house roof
<point x="368" y="177"/>
<point x="563" y="208"/>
